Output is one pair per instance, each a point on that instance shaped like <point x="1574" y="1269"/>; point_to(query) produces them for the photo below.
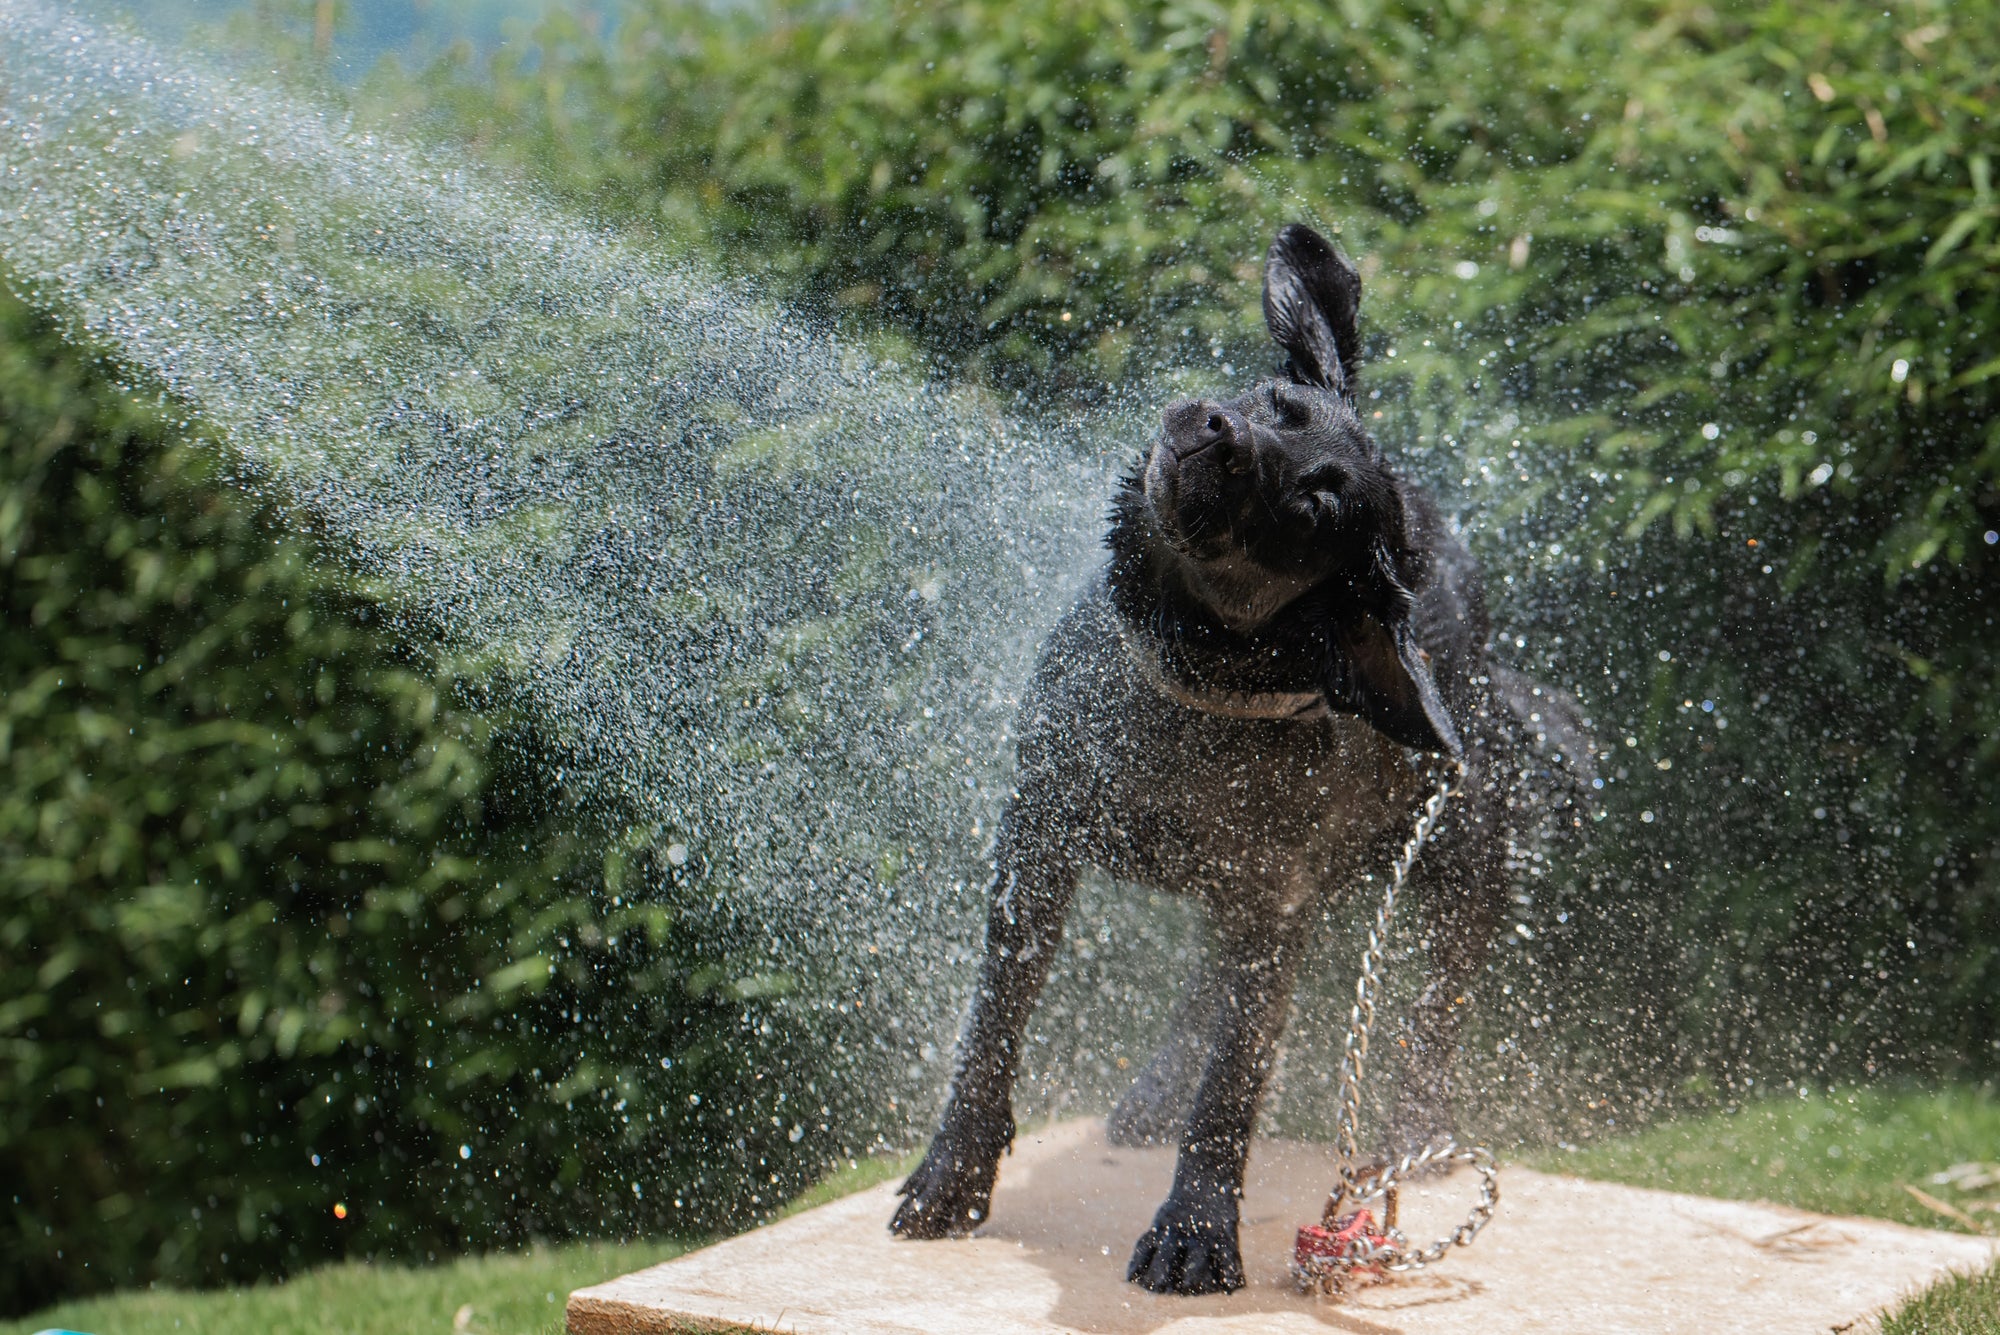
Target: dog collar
<point x="1296" y="705"/>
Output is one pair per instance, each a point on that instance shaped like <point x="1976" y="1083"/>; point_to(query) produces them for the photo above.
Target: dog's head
<point x="1279" y="498"/>
<point x="1282" y="484"/>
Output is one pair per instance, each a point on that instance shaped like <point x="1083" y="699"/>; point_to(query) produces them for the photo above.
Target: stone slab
<point x="1562" y="1255"/>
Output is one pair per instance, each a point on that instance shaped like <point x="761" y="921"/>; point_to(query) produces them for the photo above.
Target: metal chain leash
<point x="1353" y="1245"/>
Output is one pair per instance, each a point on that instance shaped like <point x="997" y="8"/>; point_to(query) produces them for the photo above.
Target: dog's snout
<point x="1198" y="425"/>
<point x="1182" y="420"/>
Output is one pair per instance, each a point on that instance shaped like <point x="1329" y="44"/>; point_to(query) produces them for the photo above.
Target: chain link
<point x="1394" y="1253"/>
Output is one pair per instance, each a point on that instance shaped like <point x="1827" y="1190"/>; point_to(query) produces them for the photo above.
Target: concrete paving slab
<point x="1562" y="1255"/>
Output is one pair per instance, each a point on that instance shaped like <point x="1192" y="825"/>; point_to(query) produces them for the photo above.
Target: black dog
<point x="1230" y="712"/>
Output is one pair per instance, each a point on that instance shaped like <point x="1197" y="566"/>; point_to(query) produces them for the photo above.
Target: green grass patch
<point x="1850" y="1152"/>
<point x="505" y="1293"/>
<point x="514" y="1293"/>
<point x="1853" y="1151"/>
<point x="858" y="1176"/>
<point x="1859" y="1151"/>
<point x="1962" y="1305"/>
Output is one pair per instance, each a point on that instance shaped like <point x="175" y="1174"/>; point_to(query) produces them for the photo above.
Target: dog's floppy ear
<point x="1311" y="297"/>
<point x="1380" y="674"/>
<point x="1378" y="671"/>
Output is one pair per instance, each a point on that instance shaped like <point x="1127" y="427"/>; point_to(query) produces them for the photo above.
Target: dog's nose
<point x="1198" y="425"/>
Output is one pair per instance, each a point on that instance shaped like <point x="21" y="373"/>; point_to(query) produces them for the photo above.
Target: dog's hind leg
<point x="1192" y="1246"/>
<point x="1153" y="1109"/>
<point x="951" y="1191"/>
<point x="1461" y="888"/>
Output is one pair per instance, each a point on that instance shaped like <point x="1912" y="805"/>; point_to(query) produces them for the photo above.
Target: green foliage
<point x="293" y="914"/>
<point x="1775" y="1149"/>
<point x="1679" y="216"/>
<point x="1645" y="283"/>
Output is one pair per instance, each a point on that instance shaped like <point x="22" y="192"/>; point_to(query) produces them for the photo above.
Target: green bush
<point x="1802" y="199"/>
<point x="295" y="916"/>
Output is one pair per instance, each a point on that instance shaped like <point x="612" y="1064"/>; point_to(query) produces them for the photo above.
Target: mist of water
<point x="775" y="594"/>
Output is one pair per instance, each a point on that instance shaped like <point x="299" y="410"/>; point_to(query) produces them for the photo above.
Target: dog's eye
<point x="1325" y="479"/>
<point x="1327" y="504"/>
<point x="1294" y="408"/>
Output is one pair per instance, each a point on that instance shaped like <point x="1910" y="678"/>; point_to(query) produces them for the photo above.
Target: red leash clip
<point x="1338" y="1251"/>
<point x="1320" y="1246"/>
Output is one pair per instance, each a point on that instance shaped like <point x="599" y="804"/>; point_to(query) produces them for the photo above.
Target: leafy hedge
<point x="1634" y="197"/>
<point x="294" y="915"/>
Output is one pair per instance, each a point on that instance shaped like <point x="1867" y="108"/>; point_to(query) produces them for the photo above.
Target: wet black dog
<point x="1231" y="712"/>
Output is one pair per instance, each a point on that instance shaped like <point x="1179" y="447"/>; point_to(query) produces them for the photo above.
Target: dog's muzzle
<point x="1198" y="427"/>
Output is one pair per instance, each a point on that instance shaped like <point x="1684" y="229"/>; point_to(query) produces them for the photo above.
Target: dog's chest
<point x="1162" y="791"/>
<point x="1249" y="789"/>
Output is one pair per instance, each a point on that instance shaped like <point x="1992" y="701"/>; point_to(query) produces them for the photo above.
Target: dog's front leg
<point x="1191" y="1247"/>
<point x="951" y="1191"/>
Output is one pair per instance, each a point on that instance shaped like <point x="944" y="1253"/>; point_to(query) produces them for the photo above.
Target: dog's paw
<point x="951" y="1191"/>
<point x="1189" y="1251"/>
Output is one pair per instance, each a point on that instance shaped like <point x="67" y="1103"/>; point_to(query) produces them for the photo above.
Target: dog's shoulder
<point x="1086" y="666"/>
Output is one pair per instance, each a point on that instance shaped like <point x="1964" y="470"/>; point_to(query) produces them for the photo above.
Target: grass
<point x="1853" y="1152"/>
<point x="1963" y="1305"/>
<point x="507" y="1293"/>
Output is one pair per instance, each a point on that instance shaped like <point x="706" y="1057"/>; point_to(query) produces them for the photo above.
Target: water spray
<point x="771" y="590"/>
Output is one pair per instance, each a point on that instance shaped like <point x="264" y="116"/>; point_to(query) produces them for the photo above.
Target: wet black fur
<point x="1264" y="556"/>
